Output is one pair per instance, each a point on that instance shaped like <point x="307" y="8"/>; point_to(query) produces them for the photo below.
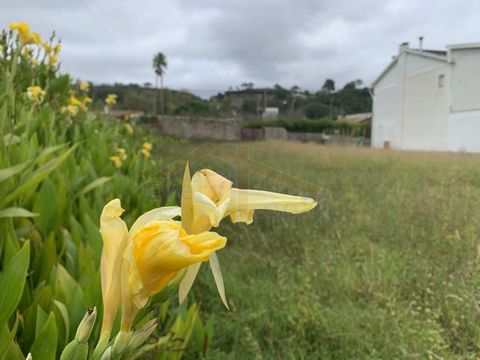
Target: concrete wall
<point x="271" y="132"/>
<point x="200" y="128"/>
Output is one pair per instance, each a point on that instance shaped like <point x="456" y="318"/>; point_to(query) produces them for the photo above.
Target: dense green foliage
<point x="292" y="103"/>
<point x="386" y="267"/>
<point x="141" y="98"/>
<point x="315" y="126"/>
<point x="56" y="174"/>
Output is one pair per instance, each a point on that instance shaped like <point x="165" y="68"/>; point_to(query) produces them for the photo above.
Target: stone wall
<point x="185" y="127"/>
<point x="277" y="133"/>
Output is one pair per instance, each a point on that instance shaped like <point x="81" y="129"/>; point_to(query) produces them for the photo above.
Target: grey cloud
<point x="212" y="44"/>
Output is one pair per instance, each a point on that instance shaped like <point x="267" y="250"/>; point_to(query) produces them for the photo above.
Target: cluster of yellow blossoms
<point x="35" y="94"/>
<point x="111" y="100"/>
<point x="26" y="37"/>
<point x="76" y="104"/>
<point x="158" y="251"/>
<point x="146" y="150"/>
<point x="119" y="158"/>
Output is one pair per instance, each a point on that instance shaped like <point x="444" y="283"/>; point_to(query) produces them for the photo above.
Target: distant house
<point x="270" y="113"/>
<point x="359" y="118"/>
<point x="429" y="100"/>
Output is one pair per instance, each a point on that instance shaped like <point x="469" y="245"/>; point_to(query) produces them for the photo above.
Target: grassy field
<point x="386" y="267"/>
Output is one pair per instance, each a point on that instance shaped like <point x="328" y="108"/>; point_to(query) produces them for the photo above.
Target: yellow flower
<point x="111" y="99"/>
<point x="74" y="101"/>
<point x="26" y="37"/>
<point x="23" y="30"/>
<point x="150" y="255"/>
<point x="57" y="48"/>
<point x="52" y="60"/>
<point x="122" y="153"/>
<point x="146" y="153"/>
<point x="34" y="38"/>
<point x="116" y="161"/>
<point x="85" y="86"/>
<point x="35" y="94"/>
<point x="86" y="100"/>
<point x="47" y="47"/>
<point x="72" y="109"/>
<point x="208" y="197"/>
<point x="148" y="146"/>
<point x="129" y="128"/>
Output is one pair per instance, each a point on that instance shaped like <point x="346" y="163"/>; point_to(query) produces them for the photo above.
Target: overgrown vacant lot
<point x="386" y="267"/>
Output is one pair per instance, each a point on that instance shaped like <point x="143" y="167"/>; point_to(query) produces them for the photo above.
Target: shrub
<point x="317" y="126"/>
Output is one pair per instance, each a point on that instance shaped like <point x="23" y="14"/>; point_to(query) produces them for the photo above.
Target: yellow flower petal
<point x="114" y="235"/>
<point x="217" y="276"/>
<point x="186" y="201"/>
<point x="158" y="214"/>
<point x="243" y="202"/>
<point x="187" y="282"/>
<point x="155" y="254"/>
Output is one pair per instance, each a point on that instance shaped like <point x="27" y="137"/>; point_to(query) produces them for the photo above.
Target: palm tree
<point x="159" y="65"/>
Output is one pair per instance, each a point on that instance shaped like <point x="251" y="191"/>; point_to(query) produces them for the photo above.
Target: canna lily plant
<point x="159" y="250"/>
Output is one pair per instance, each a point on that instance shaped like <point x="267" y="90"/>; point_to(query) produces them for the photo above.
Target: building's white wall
<point x="464" y="131"/>
<point x="425" y="115"/>
<point x="464" y="117"/>
<point x="387" y="109"/>
<point x="410" y="109"/>
<point x="465" y="86"/>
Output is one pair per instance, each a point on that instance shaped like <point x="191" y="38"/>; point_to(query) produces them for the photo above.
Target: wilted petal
<point x="206" y="213"/>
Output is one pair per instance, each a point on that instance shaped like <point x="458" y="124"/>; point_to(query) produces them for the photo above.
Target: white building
<point x="429" y="100"/>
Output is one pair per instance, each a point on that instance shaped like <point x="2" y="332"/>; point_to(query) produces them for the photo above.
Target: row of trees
<point x="293" y="102"/>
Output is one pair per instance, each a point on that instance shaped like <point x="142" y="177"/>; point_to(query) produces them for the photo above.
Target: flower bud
<point x="121" y="342"/>
<point x="141" y="335"/>
<point x="107" y="354"/>
<point x="29" y="356"/>
<point x="75" y="350"/>
<point x="86" y="325"/>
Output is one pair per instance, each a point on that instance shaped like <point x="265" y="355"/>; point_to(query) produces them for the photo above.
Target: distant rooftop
<point x="432" y="51"/>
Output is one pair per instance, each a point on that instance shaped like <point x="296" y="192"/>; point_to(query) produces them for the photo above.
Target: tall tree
<point x="329" y="86"/>
<point x="160" y="66"/>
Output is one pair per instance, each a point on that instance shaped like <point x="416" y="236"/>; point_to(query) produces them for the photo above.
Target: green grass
<point x="386" y="267"/>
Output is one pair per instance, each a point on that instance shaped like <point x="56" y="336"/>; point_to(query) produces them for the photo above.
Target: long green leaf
<point x="45" y="345"/>
<point x="38" y="175"/>
<point x="7" y="337"/>
<point x="47" y="151"/>
<point x="16" y="212"/>
<point x="12" y="281"/>
<point x="11" y="171"/>
<point x="46" y="204"/>
<point x="94" y="184"/>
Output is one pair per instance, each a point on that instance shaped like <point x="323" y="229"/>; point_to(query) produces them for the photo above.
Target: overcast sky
<point x="213" y="44"/>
